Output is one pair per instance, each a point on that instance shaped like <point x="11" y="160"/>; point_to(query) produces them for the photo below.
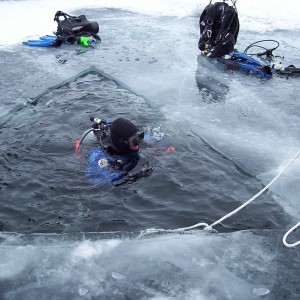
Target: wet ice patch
<point x="190" y="266"/>
<point x="89" y="249"/>
<point x="261" y="291"/>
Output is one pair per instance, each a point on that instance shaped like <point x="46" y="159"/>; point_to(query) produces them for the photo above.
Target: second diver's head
<point x="125" y="137"/>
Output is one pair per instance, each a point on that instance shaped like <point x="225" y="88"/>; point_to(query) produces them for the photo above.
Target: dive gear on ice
<point x="70" y="30"/>
<point x="219" y="28"/>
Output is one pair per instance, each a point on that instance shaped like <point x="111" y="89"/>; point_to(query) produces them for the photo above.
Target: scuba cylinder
<point x="219" y="28"/>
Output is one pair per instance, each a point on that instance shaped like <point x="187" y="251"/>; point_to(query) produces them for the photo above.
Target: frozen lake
<point x="64" y="238"/>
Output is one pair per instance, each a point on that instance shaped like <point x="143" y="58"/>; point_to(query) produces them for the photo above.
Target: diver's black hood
<point x="120" y="131"/>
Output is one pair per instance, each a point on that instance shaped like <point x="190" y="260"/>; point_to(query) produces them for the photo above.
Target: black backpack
<point x="219" y="28"/>
<point x="71" y="27"/>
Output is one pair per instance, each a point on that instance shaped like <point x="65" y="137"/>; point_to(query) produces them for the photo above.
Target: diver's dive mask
<point x="134" y="141"/>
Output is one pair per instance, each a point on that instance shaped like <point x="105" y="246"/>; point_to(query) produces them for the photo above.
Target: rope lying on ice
<point x="286" y="235"/>
<point x="209" y="227"/>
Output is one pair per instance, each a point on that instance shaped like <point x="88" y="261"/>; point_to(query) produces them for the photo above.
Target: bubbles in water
<point x="155" y="133"/>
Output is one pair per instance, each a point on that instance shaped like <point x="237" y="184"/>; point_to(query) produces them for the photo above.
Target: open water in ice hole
<point x="43" y="187"/>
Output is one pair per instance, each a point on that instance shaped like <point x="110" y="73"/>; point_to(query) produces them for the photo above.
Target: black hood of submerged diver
<point x="121" y="132"/>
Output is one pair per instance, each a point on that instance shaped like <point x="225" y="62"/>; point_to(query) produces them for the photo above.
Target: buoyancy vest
<point x="73" y="27"/>
<point x="219" y="28"/>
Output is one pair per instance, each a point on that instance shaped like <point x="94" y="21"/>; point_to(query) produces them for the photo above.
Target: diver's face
<point x="135" y="140"/>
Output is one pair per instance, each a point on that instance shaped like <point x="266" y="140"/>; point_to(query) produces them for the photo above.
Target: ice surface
<point x="253" y="122"/>
<point x="192" y="266"/>
<point x="36" y="16"/>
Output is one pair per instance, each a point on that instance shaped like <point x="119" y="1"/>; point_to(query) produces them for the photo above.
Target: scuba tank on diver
<point x="99" y="129"/>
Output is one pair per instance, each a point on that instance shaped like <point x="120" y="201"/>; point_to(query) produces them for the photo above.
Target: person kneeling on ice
<point x="117" y="153"/>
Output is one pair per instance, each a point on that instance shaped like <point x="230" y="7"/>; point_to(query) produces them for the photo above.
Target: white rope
<point x="286" y="235"/>
<point x="209" y="227"/>
<point x="259" y="193"/>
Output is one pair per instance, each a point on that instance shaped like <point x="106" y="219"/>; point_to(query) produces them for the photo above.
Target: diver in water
<point x="117" y="153"/>
<point x="123" y="137"/>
